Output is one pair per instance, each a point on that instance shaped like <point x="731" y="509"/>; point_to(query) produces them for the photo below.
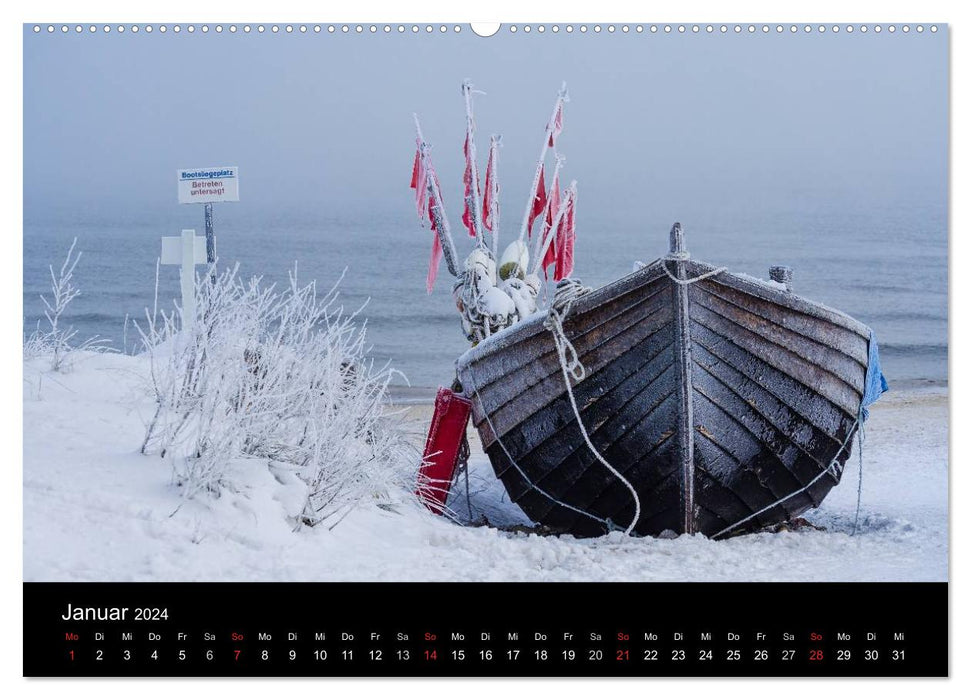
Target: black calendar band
<point x="485" y="629"/>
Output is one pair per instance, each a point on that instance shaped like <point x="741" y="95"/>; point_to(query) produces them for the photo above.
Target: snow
<point x="500" y="339"/>
<point x="772" y="284"/>
<point x="496" y="302"/>
<point x="96" y="509"/>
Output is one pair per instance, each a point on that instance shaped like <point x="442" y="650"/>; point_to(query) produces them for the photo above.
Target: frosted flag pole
<point x="472" y="187"/>
<point x="437" y="211"/>
<point x="490" y="199"/>
<point x="565" y="205"/>
<point x="554" y="183"/>
<point x="549" y="136"/>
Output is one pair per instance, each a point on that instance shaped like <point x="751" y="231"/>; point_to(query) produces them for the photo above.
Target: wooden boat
<point x="726" y="403"/>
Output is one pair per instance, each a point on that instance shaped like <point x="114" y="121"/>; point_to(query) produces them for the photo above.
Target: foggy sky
<point x="322" y="123"/>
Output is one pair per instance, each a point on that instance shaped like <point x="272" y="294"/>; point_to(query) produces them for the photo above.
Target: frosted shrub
<point x="57" y="342"/>
<point x="277" y="375"/>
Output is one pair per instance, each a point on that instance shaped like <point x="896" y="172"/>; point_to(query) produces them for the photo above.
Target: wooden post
<point x="188" y="277"/>
<point x="686" y="438"/>
<point x="677" y="241"/>
<point x="210" y="237"/>
<point x="187" y="251"/>
<point x="210" y="244"/>
<point x="781" y="274"/>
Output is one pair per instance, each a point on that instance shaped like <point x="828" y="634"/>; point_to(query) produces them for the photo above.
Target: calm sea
<point x="887" y="268"/>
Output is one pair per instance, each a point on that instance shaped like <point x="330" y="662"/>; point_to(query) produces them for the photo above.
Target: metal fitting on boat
<point x="782" y="274"/>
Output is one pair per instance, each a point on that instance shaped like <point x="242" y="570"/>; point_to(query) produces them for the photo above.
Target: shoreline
<point x="402" y="395"/>
<point x="95" y="508"/>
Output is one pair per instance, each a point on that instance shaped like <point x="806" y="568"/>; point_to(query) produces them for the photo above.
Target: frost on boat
<point x="680" y="398"/>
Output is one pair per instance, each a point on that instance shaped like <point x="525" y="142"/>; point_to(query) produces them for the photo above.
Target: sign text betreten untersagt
<point x="201" y="185"/>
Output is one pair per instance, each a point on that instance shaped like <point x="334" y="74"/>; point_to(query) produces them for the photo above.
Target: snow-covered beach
<point x="95" y="509"/>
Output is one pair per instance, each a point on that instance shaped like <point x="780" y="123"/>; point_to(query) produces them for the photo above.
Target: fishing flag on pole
<point x="436" y="256"/>
<point x="415" y="168"/>
<point x="419" y="184"/>
<point x="490" y="202"/>
<point x="556" y="126"/>
<point x="553" y="206"/>
<point x="423" y="179"/>
<point x="566" y="236"/>
<point x="467" y="179"/>
<point x="539" y="202"/>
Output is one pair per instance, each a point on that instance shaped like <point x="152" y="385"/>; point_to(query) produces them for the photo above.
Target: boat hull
<point x="727" y="405"/>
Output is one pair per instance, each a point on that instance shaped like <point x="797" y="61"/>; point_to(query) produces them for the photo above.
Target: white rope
<point x="691" y="280"/>
<point x="519" y="469"/>
<point x="567" y="292"/>
<point x="828" y="470"/>
<point x="859" y="480"/>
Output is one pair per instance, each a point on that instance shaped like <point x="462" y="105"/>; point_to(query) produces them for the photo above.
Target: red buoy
<point x="445" y="435"/>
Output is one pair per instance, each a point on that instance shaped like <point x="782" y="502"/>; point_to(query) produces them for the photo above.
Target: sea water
<point x="886" y="267"/>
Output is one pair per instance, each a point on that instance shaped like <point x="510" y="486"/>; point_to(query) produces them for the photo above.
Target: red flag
<point x="566" y="236"/>
<point x="414" y="169"/>
<point x="553" y="206"/>
<point x="467" y="179"/>
<point x="490" y="202"/>
<point x="433" y="265"/>
<point x="436" y="257"/>
<point x="539" y="202"/>
<point x="556" y="126"/>
<point x="419" y="183"/>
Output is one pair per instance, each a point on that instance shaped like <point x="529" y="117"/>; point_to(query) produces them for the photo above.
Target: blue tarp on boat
<point x="875" y="383"/>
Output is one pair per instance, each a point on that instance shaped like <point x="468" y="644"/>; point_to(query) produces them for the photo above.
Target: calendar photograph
<point x="593" y="303"/>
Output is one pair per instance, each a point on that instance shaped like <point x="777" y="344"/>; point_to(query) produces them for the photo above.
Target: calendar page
<point x="432" y="349"/>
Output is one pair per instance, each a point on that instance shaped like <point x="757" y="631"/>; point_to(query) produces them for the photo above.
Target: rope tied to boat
<point x="860" y="439"/>
<point x="567" y="292"/>
<point x="475" y="390"/>
<point x="831" y="469"/>
<point x="680" y="257"/>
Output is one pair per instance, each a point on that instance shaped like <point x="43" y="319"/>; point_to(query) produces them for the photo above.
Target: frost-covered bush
<point x="56" y="342"/>
<point x="277" y="375"/>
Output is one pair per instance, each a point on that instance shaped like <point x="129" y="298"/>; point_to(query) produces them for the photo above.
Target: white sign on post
<point x="187" y="250"/>
<point x="204" y="185"/>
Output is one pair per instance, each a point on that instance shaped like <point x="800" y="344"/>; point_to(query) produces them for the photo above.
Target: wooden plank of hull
<point x="812" y="350"/>
<point x="499" y="381"/>
<point x="828" y="385"/>
<point x="523" y="336"/>
<point x="855" y="344"/>
<point x="612" y="402"/>
<point x="542" y="382"/>
<point x="641" y="452"/>
<point x="774" y="388"/>
<point x="785" y="303"/>
<point x="775" y="430"/>
<point x="625" y="407"/>
<point x="759" y="382"/>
